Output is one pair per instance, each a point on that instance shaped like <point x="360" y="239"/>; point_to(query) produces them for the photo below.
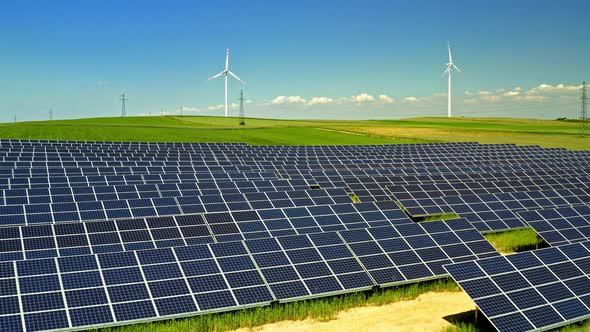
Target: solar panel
<point x="163" y="206"/>
<point x="66" y="239"/>
<point x="99" y="233"/>
<point x="168" y="282"/>
<point x="560" y="225"/>
<point x="536" y="290"/>
<point x="495" y="212"/>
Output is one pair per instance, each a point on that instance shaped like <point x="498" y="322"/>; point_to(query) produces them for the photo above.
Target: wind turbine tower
<point x="225" y="73"/>
<point x="449" y="73"/>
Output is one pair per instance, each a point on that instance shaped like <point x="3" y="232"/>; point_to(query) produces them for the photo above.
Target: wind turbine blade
<point x="236" y="77"/>
<point x="227" y="59"/>
<point x="216" y="76"/>
<point x="456" y="67"/>
<point x="450" y="56"/>
<point x="446" y="71"/>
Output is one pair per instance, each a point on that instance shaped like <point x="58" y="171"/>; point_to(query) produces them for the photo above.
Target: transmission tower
<point x="51" y="114"/>
<point x="583" y="112"/>
<point x="123" y="100"/>
<point x="242" y="123"/>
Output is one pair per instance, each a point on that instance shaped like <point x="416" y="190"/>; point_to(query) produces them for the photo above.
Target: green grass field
<point x="302" y="132"/>
<point x="545" y="133"/>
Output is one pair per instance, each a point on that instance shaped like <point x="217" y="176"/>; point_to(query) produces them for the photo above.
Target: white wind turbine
<point x="449" y="72"/>
<point x="225" y="73"/>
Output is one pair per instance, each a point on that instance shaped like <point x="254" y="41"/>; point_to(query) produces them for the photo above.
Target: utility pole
<point x="15" y="119"/>
<point x="123" y="100"/>
<point x="50" y="114"/>
<point x="242" y="123"/>
<point x="583" y="111"/>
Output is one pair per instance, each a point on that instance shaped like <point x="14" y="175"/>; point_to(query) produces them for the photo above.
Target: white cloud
<point x="216" y="107"/>
<point x="363" y="98"/>
<point x="511" y="93"/>
<point x="320" y="101"/>
<point x="386" y="99"/>
<point x="102" y="83"/>
<point x="559" y="88"/>
<point x="539" y="94"/>
<point x="491" y="99"/>
<point x="287" y="100"/>
<point x="411" y="99"/>
<point x="222" y="107"/>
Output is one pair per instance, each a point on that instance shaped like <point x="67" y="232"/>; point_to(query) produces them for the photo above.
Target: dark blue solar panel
<point x="529" y="290"/>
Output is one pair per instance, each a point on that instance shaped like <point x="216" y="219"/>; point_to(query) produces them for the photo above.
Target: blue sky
<point x="301" y="59"/>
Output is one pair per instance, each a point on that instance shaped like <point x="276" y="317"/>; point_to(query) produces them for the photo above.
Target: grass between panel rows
<point x="515" y="241"/>
<point x="320" y="309"/>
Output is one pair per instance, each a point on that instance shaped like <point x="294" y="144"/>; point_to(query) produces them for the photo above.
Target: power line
<point x="123" y="100"/>
<point x="583" y="111"/>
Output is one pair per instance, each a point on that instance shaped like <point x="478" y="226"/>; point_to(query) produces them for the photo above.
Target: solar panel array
<point x="560" y="225"/>
<point x="122" y="286"/>
<point x="495" y="212"/>
<point x="536" y="290"/>
<point x="108" y="233"/>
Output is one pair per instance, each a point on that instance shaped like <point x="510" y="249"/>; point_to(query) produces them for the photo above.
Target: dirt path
<point x="425" y="313"/>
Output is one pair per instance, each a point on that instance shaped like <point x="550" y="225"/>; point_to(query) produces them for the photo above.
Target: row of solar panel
<point x="425" y="172"/>
<point x="92" y="290"/>
<point x="370" y="191"/>
<point x="148" y="207"/>
<point x="318" y="177"/>
<point x="93" y="193"/>
<point x="536" y="290"/>
<point x="378" y="191"/>
<point x="340" y="169"/>
<point x="560" y="226"/>
<point x="298" y="152"/>
<point x="457" y="177"/>
<point x="245" y="156"/>
<point x="52" y="240"/>
<point x="494" y="212"/>
<point x="248" y="158"/>
<point x="487" y="187"/>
